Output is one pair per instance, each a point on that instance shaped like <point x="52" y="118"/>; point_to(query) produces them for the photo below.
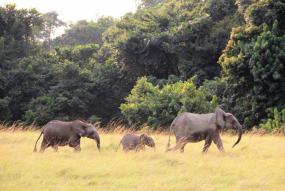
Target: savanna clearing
<point x="257" y="163"/>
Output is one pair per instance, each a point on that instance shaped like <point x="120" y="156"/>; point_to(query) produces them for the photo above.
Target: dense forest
<point x="168" y="57"/>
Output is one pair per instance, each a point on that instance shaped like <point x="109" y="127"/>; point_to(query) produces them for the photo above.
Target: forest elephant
<point x="135" y="142"/>
<point x="60" y="133"/>
<point x="191" y="127"/>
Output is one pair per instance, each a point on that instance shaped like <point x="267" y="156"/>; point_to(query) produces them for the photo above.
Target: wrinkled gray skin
<point x="191" y="127"/>
<point x="60" y="133"/>
<point x="135" y="142"/>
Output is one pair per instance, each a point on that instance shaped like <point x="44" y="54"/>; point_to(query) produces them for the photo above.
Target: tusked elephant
<point x="191" y="127"/>
<point x="135" y="142"/>
<point x="60" y="133"/>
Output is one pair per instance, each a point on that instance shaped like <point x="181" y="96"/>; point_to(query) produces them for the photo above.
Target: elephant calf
<point x="135" y="142"/>
<point x="60" y="133"/>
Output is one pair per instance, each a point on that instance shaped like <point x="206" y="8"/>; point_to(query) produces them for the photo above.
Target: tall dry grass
<point x="257" y="163"/>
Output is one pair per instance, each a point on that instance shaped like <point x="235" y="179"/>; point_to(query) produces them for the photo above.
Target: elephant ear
<point x="229" y="116"/>
<point x="80" y="130"/>
<point x="143" y="138"/>
<point x="220" y="117"/>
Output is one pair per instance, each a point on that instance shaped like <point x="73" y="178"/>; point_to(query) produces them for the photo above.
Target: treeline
<point x="168" y="57"/>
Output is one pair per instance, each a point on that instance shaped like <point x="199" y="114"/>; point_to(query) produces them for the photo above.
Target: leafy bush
<point x="277" y="122"/>
<point x="214" y="88"/>
<point x="159" y="106"/>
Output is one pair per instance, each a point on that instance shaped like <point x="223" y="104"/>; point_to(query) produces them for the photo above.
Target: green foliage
<point x="80" y="54"/>
<point x="148" y="3"/>
<point x="253" y="63"/>
<point x="266" y="12"/>
<point x="16" y="34"/>
<point x="182" y="38"/>
<point x="159" y="106"/>
<point x="94" y="65"/>
<point x="244" y="4"/>
<point x="51" y="22"/>
<point x="277" y="122"/>
<point x="33" y="77"/>
<point x="84" y="32"/>
<point x="5" y="113"/>
<point x="41" y="109"/>
<point x="74" y="90"/>
<point x="17" y="40"/>
<point x="214" y="89"/>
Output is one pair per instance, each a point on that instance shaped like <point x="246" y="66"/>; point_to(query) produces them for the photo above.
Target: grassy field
<point x="257" y="163"/>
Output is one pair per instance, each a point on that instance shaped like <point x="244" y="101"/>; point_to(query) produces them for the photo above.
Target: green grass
<point x="257" y="163"/>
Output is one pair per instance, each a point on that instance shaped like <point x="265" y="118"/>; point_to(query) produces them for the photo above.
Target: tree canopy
<point x="84" y="32"/>
<point x="167" y="57"/>
<point x="253" y="62"/>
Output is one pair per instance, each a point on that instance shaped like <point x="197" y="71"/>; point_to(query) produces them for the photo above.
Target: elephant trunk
<point x="97" y="138"/>
<point x="239" y="129"/>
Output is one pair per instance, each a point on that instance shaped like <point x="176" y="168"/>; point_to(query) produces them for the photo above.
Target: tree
<point x="253" y="63"/>
<point x="76" y="86"/>
<point x="174" y="38"/>
<point x="148" y="3"/>
<point x="84" y="32"/>
<point x="243" y="4"/>
<point x="51" y="22"/>
<point x="94" y="65"/>
<point x="17" y="33"/>
<point x="17" y="40"/>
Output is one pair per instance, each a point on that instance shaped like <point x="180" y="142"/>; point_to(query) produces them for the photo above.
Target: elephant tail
<point x="118" y="146"/>
<point x="35" y="148"/>
<point x="168" y="144"/>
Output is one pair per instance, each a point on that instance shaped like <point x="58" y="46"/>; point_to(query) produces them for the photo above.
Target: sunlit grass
<point x="257" y="163"/>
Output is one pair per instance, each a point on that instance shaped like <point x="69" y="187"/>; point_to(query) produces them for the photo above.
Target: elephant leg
<point x="218" y="142"/>
<point x="44" y="146"/>
<point x="76" y="145"/>
<point x="139" y="147"/>
<point x="55" y="148"/>
<point x="182" y="147"/>
<point x="74" y="142"/>
<point x="180" y="144"/>
<point x="126" y="149"/>
<point x="208" y="142"/>
<point x="77" y="148"/>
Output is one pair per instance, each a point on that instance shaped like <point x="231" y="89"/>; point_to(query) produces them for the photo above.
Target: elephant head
<point x="85" y="129"/>
<point x="146" y="140"/>
<point x="227" y="120"/>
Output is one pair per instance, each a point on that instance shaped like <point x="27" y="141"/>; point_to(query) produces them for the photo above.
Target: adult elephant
<point x="60" y="133"/>
<point x="191" y="127"/>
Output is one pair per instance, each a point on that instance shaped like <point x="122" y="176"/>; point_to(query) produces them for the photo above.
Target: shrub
<point x="214" y="89"/>
<point x="149" y="104"/>
<point x="277" y="122"/>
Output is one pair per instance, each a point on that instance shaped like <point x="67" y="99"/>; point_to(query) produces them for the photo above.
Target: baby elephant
<point x="135" y="142"/>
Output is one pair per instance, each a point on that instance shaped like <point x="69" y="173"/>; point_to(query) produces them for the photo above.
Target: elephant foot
<point x="222" y="151"/>
<point x="77" y="149"/>
<point x="55" y="148"/>
<point x="168" y="149"/>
